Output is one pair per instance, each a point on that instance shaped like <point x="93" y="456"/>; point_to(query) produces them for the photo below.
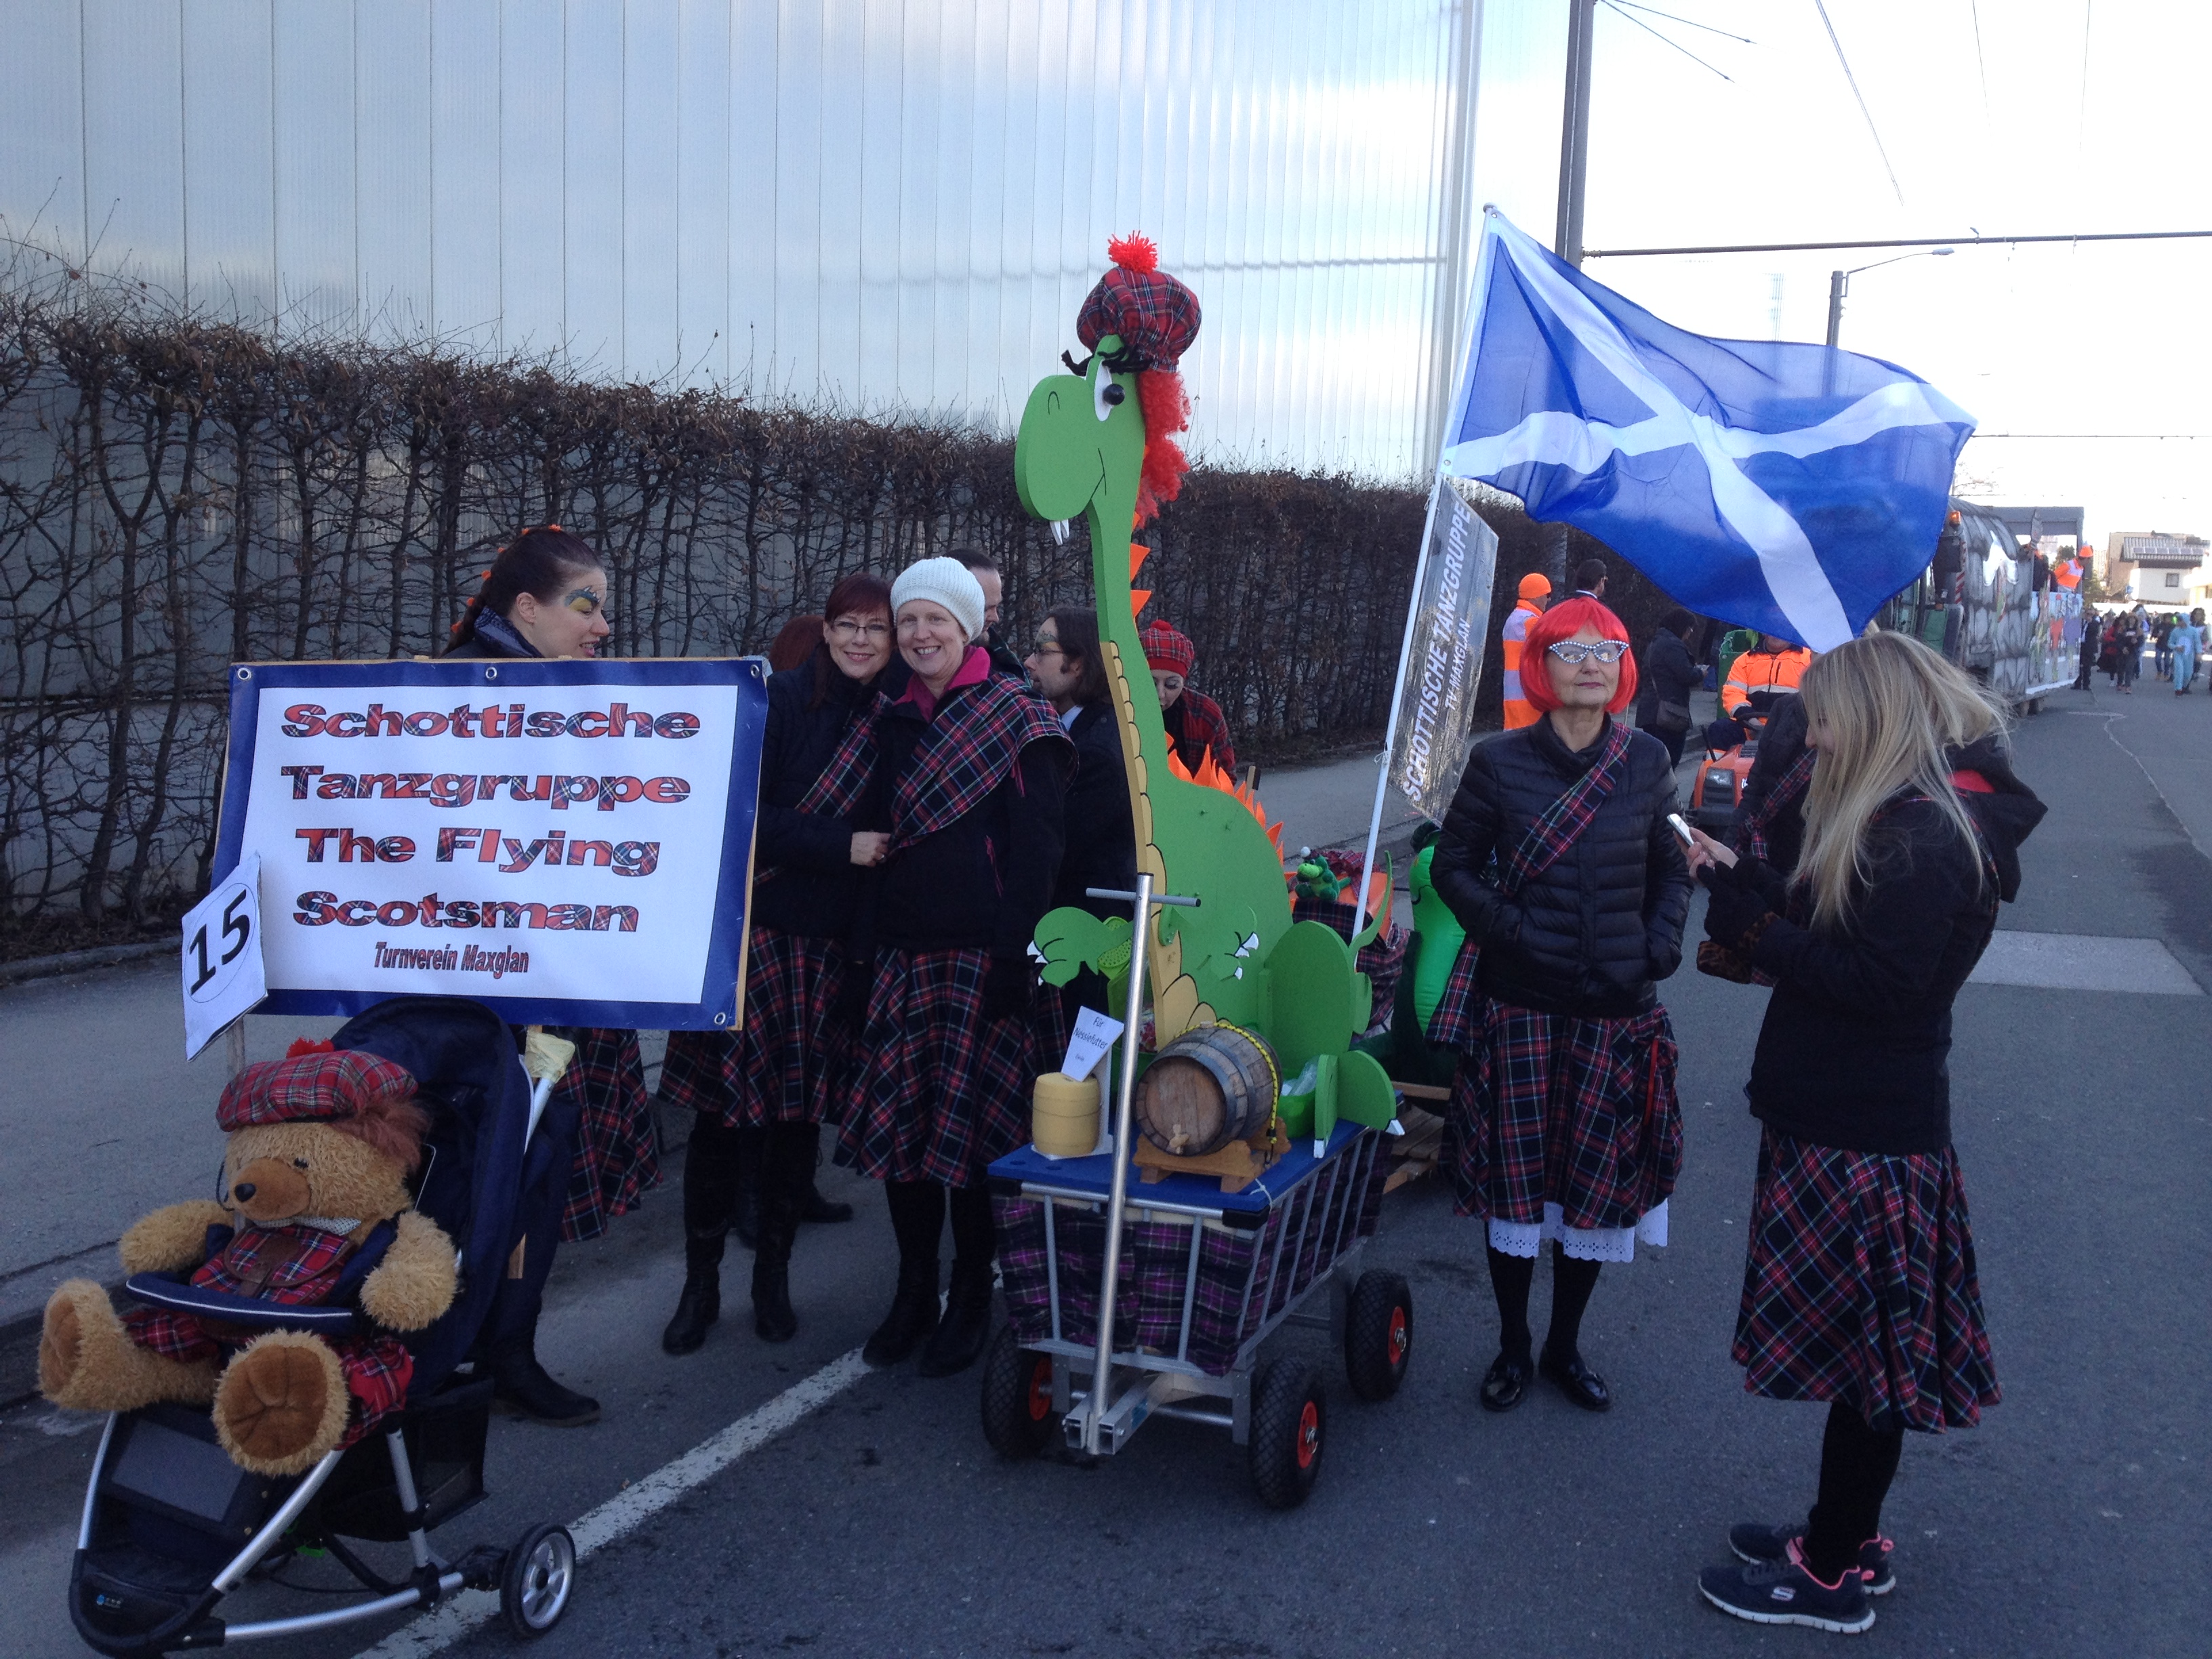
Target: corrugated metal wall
<point x="876" y="204"/>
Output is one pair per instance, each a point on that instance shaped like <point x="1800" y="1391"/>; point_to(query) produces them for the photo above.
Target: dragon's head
<point x="1081" y="440"/>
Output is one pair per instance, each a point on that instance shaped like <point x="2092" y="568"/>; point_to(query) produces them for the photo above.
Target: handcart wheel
<point x="1378" y="1334"/>
<point x="1290" y="1422"/>
<point x="1018" y="1420"/>
<point x="534" y="1585"/>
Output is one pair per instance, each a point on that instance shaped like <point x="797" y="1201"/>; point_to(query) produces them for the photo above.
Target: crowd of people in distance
<point x="2113" y="646"/>
<point x="927" y="792"/>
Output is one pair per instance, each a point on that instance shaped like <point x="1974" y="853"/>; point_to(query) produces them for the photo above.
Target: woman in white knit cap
<point x="965" y="770"/>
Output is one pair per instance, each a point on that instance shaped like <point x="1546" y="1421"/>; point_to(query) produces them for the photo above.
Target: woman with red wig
<point x="1557" y="858"/>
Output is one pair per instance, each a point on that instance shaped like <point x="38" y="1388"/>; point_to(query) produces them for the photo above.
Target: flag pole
<point x="1470" y="329"/>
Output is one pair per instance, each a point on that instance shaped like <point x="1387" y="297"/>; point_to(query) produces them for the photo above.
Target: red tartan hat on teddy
<point x="355" y="1093"/>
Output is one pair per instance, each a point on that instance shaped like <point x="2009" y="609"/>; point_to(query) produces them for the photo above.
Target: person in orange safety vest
<point x="1536" y="588"/>
<point x="1772" y="665"/>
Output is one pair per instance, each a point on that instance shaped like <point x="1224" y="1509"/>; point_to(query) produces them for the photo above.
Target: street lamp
<point x="1839" y="284"/>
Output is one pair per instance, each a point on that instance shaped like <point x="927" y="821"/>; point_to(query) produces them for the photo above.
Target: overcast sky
<point x="2101" y="338"/>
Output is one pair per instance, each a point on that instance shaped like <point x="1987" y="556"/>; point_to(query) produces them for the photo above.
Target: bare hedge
<point x="178" y="493"/>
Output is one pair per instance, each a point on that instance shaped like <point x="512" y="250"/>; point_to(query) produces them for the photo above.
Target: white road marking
<point x="2079" y="962"/>
<point x="636" y="1503"/>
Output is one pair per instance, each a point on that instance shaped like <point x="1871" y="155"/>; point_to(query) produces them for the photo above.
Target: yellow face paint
<point x="584" y="601"/>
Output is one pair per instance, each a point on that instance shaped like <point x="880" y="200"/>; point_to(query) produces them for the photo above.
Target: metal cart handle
<point x="1102" y="1371"/>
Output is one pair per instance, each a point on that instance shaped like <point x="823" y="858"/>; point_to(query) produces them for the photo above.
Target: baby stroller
<point x="172" y="1525"/>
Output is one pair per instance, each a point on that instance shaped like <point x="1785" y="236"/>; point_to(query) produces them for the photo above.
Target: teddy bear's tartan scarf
<point x="971" y="747"/>
<point x="1545" y="842"/>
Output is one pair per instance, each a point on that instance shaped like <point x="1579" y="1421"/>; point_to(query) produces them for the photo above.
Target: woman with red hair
<point x="1557" y="858"/>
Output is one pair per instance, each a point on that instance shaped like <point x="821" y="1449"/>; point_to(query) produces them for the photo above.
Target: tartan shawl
<point x="1561" y="823"/>
<point x="971" y="747"/>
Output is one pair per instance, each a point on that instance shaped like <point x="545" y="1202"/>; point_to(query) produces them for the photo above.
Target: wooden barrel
<point x="1212" y="1085"/>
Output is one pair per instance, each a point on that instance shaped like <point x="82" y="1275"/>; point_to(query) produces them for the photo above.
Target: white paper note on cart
<point x="1094" y="1038"/>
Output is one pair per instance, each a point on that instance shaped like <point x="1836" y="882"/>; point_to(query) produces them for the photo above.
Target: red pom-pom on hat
<point x="310" y="1046"/>
<point x="1134" y="252"/>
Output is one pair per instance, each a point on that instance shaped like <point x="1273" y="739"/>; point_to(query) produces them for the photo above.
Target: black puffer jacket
<point x="1593" y="934"/>
<point x="1855" y="1050"/>
<point x="1102" y="837"/>
<point x="808" y="882"/>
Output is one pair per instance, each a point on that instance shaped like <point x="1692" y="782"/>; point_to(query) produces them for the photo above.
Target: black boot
<point x="521" y="1385"/>
<point x="700" y="1303"/>
<point x="748" y="1145"/>
<point x="787" y="1167"/>
<point x="812" y="1206"/>
<point x="960" y="1335"/>
<point x="912" y="1318"/>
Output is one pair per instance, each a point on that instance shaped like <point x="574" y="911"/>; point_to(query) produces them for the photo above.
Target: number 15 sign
<point x="223" y="974"/>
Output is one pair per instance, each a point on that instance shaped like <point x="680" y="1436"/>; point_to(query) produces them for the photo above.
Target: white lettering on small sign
<point x="224" y="977"/>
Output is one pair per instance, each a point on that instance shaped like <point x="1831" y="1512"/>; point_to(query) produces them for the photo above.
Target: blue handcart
<point x="1168" y="1291"/>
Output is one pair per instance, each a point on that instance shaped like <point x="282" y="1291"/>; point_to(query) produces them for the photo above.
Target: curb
<point x="71" y="962"/>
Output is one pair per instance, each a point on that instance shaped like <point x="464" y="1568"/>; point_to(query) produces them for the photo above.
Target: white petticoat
<point x="1525" y="1238"/>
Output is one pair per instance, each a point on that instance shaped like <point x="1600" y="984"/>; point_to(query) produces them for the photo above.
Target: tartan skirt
<point x="782" y="1065"/>
<point x="936" y="1092"/>
<point x="617" y="1153"/>
<point x="1859" y="1286"/>
<point x="1550" y="1109"/>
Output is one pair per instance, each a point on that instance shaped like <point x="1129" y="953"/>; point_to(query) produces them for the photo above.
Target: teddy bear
<point x="320" y="1147"/>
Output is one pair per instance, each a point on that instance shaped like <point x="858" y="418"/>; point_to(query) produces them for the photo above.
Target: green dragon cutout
<point x="1237" y="959"/>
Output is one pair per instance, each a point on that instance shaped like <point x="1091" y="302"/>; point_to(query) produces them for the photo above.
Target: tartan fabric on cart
<point x="1859" y="1285"/>
<point x="617" y="1155"/>
<point x="1243" y="1281"/>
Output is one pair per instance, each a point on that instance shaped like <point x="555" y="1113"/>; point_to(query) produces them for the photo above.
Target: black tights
<point x="778" y="1160"/>
<point x="1572" y="1281"/>
<point x="1857" y="1463"/>
<point x="917" y="1209"/>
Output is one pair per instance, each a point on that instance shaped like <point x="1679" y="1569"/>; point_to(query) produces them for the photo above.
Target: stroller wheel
<point x="533" y="1586"/>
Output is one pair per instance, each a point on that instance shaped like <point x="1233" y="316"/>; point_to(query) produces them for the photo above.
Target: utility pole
<point x="1835" y="305"/>
<point x="1574" y="169"/>
<point x="1574" y="132"/>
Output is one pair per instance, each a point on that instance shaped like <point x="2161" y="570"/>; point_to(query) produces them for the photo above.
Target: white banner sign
<point x="1444" y="665"/>
<point x="571" y="840"/>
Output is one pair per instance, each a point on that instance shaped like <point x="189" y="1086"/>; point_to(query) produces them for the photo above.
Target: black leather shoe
<point x="773" y="1319"/>
<point x="1506" y="1383"/>
<point x="523" y="1387"/>
<point x="961" y="1335"/>
<point x="697" y="1309"/>
<point x="817" y="1208"/>
<point x="908" y="1325"/>
<point x="1576" y="1381"/>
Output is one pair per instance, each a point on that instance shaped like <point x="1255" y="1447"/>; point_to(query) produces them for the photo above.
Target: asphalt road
<point x="2069" y="1522"/>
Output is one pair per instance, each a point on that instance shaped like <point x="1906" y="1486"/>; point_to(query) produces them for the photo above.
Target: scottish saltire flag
<point x="1788" y="487"/>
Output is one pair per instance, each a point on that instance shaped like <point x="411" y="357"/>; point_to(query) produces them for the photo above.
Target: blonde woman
<point x="1860" y="1287"/>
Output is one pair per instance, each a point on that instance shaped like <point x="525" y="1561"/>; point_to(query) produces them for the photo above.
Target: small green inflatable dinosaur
<point x="1237" y="959"/>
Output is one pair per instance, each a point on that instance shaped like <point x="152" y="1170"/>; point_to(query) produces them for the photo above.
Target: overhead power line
<point x="1881" y="148"/>
<point x="1677" y="44"/>
<point x="1902" y="241"/>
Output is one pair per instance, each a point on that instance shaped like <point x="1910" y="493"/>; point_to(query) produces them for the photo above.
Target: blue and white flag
<point x="1790" y="488"/>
